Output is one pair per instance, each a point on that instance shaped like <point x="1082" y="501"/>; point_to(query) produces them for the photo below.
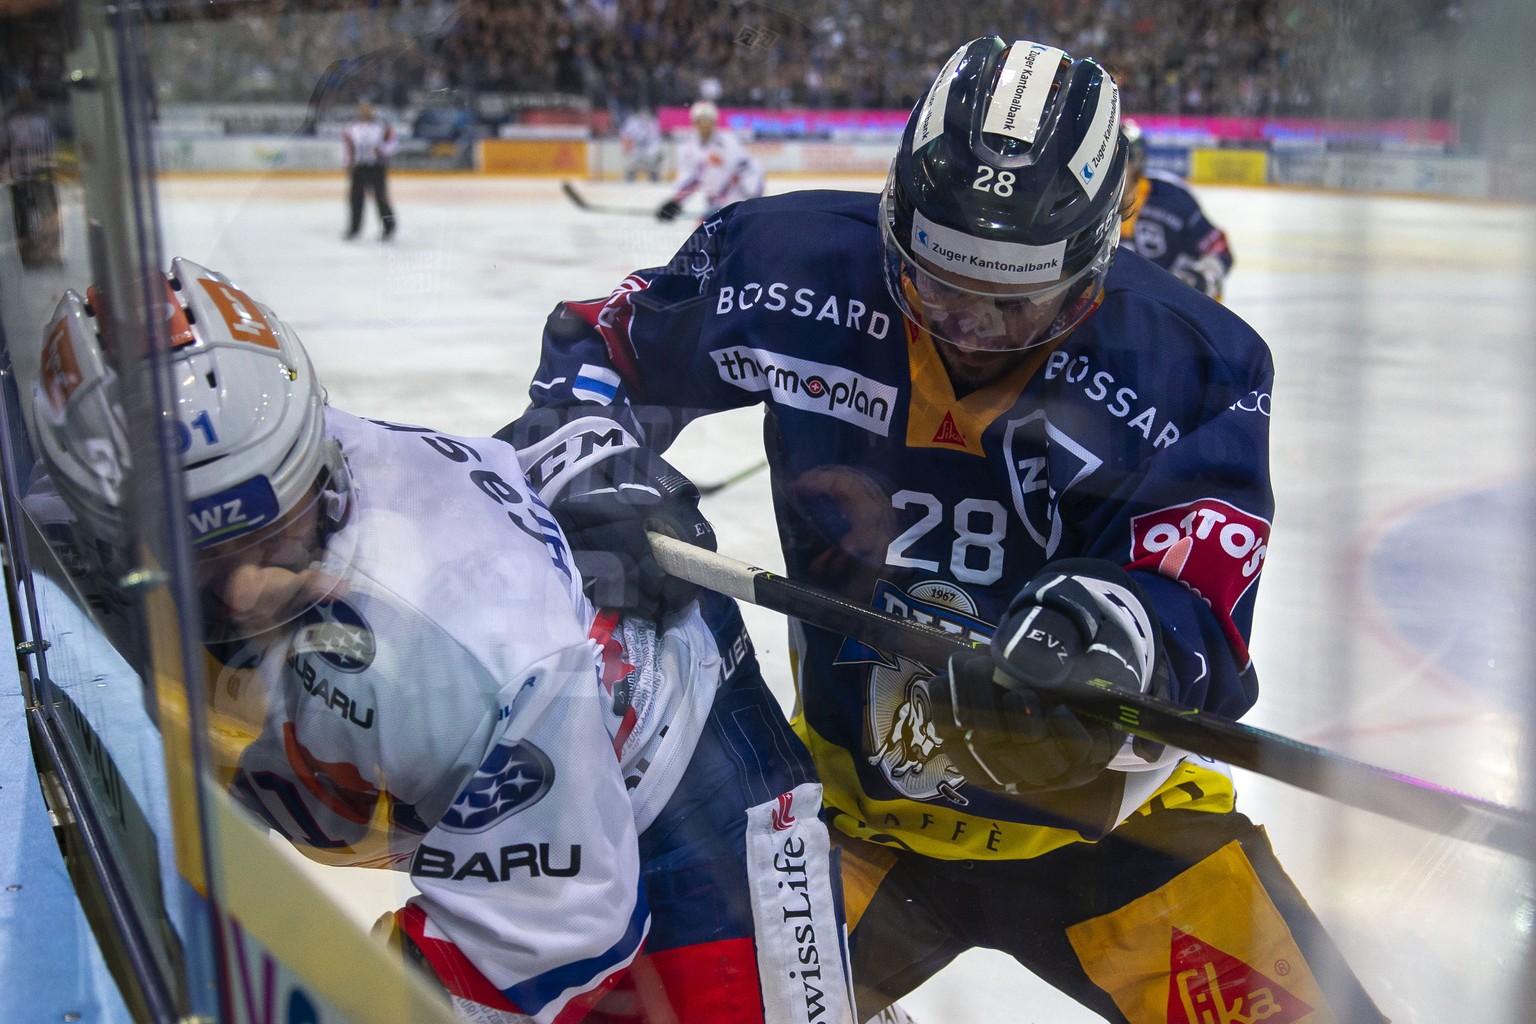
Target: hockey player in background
<point x="1163" y="221"/>
<point x="368" y="143"/>
<point x="644" y="150"/>
<point x="406" y="674"/>
<point x="715" y="162"/>
<point x="982" y="414"/>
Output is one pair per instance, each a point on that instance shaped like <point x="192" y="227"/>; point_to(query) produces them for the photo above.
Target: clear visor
<point x="981" y="317"/>
<point x="266" y="578"/>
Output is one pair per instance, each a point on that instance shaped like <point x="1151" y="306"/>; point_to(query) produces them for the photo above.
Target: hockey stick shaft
<point x="582" y="202"/>
<point x="735" y="478"/>
<point x="1315" y="769"/>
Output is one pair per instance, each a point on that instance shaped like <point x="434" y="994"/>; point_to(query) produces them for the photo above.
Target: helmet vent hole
<point x="213" y="380"/>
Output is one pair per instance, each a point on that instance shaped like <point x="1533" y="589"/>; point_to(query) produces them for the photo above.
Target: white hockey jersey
<point x="721" y="168"/>
<point x="440" y="711"/>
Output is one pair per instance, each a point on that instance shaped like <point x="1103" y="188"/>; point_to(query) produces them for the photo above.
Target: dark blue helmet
<point x="1001" y="214"/>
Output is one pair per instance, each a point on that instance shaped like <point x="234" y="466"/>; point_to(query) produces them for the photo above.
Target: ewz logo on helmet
<point x="240" y="509"/>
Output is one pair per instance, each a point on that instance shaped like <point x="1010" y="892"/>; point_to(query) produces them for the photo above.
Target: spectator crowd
<point x="1271" y="58"/>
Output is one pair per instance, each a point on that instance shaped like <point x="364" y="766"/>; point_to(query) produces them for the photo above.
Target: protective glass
<point x="979" y="317"/>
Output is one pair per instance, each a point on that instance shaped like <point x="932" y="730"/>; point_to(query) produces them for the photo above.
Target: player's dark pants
<point x="1197" y="945"/>
<point x="700" y="959"/>
<point x="369" y="178"/>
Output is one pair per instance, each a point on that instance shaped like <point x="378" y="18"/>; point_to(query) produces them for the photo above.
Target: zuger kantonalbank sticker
<point x="930" y="122"/>
<point x="1023" y="86"/>
<point x="983" y="259"/>
<point x="1097" y="151"/>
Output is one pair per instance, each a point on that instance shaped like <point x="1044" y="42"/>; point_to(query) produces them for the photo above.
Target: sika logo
<point x="1209" y="986"/>
<point x="948" y="433"/>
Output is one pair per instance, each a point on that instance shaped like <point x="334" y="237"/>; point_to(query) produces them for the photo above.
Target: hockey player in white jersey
<point x="715" y="162"/>
<point x="406" y="674"/>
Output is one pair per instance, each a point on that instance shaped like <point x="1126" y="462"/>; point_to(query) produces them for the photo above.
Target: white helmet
<point x="249" y="414"/>
<point x="77" y="422"/>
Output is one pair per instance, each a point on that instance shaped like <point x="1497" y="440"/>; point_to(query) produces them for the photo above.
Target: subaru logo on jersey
<point x="514" y="778"/>
<point x="815" y="387"/>
<point x="337" y="633"/>
<point x="239" y="509"/>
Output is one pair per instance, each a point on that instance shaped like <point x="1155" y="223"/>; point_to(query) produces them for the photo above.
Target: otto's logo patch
<point x="1211" y="985"/>
<point x="338" y="634"/>
<point x="1215" y="549"/>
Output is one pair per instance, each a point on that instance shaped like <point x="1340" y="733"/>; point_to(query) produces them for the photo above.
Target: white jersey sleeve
<point x="440" y="712"/>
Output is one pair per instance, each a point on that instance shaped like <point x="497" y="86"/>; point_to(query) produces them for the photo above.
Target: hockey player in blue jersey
<point x="1163" y="221"/>
<point x="982" y="413"/>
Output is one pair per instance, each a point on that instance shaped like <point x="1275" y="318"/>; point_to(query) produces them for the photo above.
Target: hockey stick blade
<point x="1315" y="769"/>
<point x="583" y="203"/>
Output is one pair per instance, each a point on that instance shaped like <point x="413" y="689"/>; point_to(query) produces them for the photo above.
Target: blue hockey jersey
<point x="1140" y="438"/>
<point x="1166" y="224"/>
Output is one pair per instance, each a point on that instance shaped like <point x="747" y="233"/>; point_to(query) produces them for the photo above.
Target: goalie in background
<point x="404" y="673"/>
<point x="715" y="162"/>
<point x="982" y="413"/>
<point x="1162" y="220"/>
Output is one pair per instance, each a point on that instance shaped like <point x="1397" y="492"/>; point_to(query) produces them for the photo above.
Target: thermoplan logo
<point x="512" y="779"/>
<point x="815" y="387"/>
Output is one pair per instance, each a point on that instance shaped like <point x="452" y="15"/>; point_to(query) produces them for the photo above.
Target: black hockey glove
<point x="1079" y="620"/>
<point x="669" y="210"/>
<point x="606" y="510"/>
